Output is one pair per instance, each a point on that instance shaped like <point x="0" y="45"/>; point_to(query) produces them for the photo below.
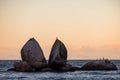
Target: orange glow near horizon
<point x="90" y="29"/>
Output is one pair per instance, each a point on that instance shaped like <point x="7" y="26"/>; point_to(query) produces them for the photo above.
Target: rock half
<point x="58" y="55"/>
<point x="32" y="54"/>
<point x="58" y="58"/>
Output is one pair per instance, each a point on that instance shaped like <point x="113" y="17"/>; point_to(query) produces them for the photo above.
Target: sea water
<point x="76" y="75"/>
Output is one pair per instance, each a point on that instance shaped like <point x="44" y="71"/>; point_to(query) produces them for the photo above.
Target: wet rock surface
<point x="99" y="65"/>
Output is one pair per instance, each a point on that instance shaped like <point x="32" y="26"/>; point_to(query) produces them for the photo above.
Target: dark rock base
<point x="99" y="65"/>
<point x="24" y="66"/>
<point x="48" y="70"/>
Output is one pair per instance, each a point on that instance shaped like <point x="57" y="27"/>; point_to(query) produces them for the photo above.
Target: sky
<point x="90" y="29"/>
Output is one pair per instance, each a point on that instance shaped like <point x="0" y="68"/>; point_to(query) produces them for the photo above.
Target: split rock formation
<point x="33" y="59"/>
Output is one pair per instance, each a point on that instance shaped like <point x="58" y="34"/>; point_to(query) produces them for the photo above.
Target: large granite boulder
<point x="99" y="65"/>
<point x="58" y="55"/>
<point x="31" y="54"/>
<point x="58" y="58"/>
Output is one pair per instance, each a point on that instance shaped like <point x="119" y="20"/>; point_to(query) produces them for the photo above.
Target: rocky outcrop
<point x="32" y="56"/>
<point x="99" y="65"/>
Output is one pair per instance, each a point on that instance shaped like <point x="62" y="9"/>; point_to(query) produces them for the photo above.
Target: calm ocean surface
<point x="77" y="75"/>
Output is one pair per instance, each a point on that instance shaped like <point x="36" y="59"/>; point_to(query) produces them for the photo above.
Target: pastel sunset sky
<point x="90" y="29"/>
